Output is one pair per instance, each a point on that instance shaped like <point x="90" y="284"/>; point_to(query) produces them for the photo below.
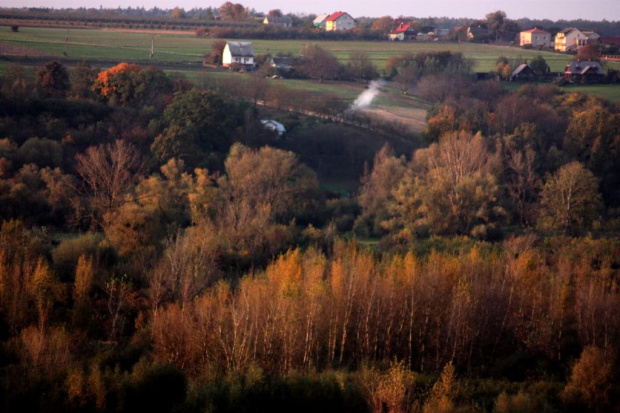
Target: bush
<point x="65" y="256"/>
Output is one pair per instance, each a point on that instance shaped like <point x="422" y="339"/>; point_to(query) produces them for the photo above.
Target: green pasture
<point x="172" y="47"/>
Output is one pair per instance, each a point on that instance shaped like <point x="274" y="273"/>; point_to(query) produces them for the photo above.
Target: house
<point x="284" y="21"/>
<point x="523" y="73"/>
<point x="535" y="38"/>
<point x="570" y="40"/>
<point x="338" y="21"/>
<point x="584" y="72"/>
<point x="402" y="32"/>
<point x="273" y="125"/>
<point x="281" y="63"/>
<point x="442" y="32"/>
<point x="593" y="37"/>
<point x="320" y="20"/>
<point x="238" y="54"/>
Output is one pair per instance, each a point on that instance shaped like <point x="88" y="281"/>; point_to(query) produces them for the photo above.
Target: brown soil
<point x="13" y="50"/>
<point x="414" y="118"/>
<point x="149" y="31"/>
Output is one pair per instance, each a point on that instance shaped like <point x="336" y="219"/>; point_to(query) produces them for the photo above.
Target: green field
<point x="174" y="47"/>
<point x="96" y="44"/>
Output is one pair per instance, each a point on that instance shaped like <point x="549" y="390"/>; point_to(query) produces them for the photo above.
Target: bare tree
<point x="107" y="172"/>
<point x="318" y="63"/>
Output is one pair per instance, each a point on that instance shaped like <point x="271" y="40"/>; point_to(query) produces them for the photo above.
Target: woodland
<point x="161" y="251"/>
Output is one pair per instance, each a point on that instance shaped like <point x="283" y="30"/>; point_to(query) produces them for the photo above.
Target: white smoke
<point x="366" y="97"/>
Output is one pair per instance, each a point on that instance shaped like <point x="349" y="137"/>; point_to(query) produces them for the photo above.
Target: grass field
<point x="175" y="47"/>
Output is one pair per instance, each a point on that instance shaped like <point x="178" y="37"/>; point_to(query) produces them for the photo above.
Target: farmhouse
<point x="339" y="20"/>
<point x="593" y="37"/>
<point x="284" y="21"/>
<point x="402" y="32"/>
<point x="238" y="54"/>
<point x="535" y="38"/>
<point x="284" y="63"/>
<point x="584" y="72"/>
<point x="570" y="40"/>
<point x="523" y="73"/>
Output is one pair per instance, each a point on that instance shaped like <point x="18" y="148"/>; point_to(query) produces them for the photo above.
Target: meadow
<point x="178" y="47"/>
<point x="175" y="47"/>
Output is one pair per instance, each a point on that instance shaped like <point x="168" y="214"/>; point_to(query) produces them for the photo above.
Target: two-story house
<point x="339" y="20"/>
<point x="570" y="39"/>
<point x="535" y="38"/>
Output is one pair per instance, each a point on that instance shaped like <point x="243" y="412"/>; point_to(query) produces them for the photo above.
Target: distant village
<point x="570" y="40"/>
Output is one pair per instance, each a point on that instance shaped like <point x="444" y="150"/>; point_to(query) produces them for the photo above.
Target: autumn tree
<point x="52" y="80"/>
<point x="377" y="187"/>
<point x="107" y="172"/>
<point x="383" y="24"/>
<point x="589" y="52"/>
<point x="154" y="211"/>
<point x="275" y="13"/>
<point x="570" y="199"/>
<point x="128" y="83"/>
<point x="452" y="189"/>
<point x="217" y="51"/>
<point x="318" y="63"/>
<point x="592" y="137"/>
<point x="589" y="383"/>
<point x="177" y="13"/>
<point x="233" y="11"/>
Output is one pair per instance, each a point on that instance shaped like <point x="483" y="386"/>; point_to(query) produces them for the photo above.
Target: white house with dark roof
<point x="238" y="53"/>
<point x="284" y="21"/>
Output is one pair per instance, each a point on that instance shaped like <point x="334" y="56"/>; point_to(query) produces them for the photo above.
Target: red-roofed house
<point x="402" y="32"/>
<point x="535" y="38"/>
<point x="339" y="21"/>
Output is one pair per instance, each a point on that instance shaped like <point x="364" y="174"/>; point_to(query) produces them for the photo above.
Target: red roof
<point x="402" y="28"/>
<point x="536" y="30"/>
<point x="335" y="16"/>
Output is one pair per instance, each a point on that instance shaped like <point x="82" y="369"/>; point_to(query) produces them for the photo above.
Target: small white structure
<point x="320" y="20"/>
<point x="238" y="53"/>
<point x="275" y="126"/>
